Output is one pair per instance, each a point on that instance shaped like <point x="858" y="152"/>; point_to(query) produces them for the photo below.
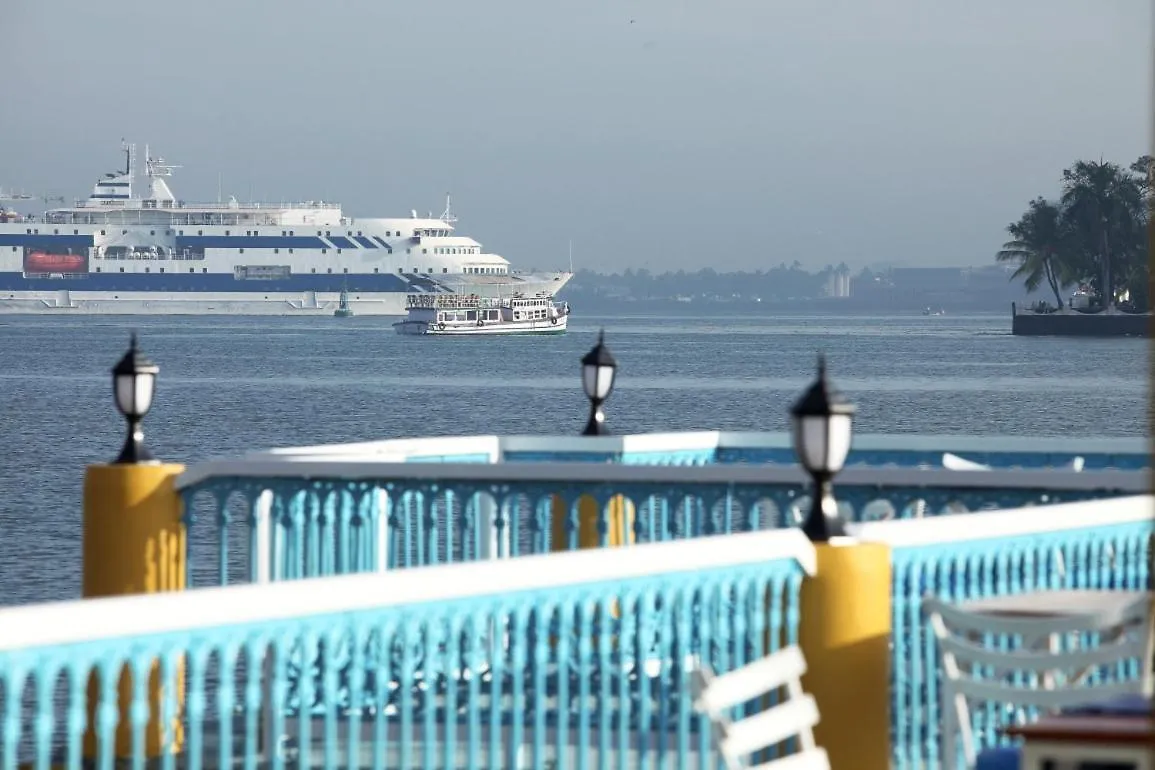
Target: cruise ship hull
<point x="275" y="302"/>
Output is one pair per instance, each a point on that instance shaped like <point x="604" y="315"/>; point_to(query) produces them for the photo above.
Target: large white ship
<point x="115" y="252"/>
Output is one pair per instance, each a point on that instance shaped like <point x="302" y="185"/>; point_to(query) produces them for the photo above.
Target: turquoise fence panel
<point x="1108" y="556"/>
<point x="311" y="524"/>
<point x="574" y="675"/>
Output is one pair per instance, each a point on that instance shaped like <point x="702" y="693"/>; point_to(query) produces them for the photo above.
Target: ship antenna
<point x="447" y="216"/>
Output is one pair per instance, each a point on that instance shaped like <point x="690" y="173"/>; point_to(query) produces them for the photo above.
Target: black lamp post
<point x="822" y="422"/>
<point x="598" y="371"/>
<point x="133" y="384"/>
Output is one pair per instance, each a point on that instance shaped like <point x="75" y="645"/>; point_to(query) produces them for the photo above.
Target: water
<point x="234" y="384"/>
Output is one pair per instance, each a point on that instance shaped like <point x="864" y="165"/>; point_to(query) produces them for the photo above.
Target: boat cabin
<point x="470" y="308"/>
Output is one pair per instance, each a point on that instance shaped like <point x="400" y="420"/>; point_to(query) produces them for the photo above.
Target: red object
<point x="43" y="262"/>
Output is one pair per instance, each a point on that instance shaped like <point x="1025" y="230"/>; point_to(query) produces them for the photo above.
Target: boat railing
<point x="85" y="203"/>
<point x="454" y="302"/>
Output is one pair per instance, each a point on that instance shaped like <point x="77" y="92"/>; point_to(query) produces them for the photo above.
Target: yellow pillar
<point x="845" y="636"/>
<point x="619" y="516"/>
<point x="134" y="543"/>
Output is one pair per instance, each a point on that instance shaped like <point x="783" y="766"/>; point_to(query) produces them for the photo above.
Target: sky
<point x="657" y="134"/>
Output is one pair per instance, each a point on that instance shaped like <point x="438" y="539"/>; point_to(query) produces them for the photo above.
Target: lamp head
<point x="134" y="382"/>
<point x="822" y="426"/>
<point x="598" y="371"/>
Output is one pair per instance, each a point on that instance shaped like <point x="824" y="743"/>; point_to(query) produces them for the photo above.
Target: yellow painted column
<point x="134" y="543"/>
<point x="845" y="635"/>
<point x="620" y="514"/>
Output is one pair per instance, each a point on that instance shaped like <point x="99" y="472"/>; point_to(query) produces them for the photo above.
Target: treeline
<point x="777" y="283"/>
<point x="1094" y="235"/>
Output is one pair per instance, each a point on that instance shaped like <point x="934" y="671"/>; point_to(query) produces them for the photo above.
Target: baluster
<point x="13" y="701"/>
<point x="197" y="659"/>
<point x="44" y="721"/>
<point x="565" y="670"/>
<point x="226" y="701"/>
<point x="358" y="684"/>
<point x="255" y="665"/>
<point x="587" y="610"/>
<point x="330" y="658"/>
<point x="79" y="673"/>
<point x="453" y="679"/>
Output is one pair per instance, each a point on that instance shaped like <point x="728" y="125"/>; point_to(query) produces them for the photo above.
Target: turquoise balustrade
<point x="566" y="660"/>
<point x="285" y="517"/>
<point x="1101" y="545"/>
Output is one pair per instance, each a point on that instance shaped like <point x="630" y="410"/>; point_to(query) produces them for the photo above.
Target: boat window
<point x="346" y="270"/>
<point x="445" y="269"/>
<point x="376" y="270"/>
<point x="471" y="315"/>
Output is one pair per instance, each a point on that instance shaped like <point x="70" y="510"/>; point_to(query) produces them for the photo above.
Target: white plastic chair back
<point x="955" y="463"/>
<point x="1033" y="674"/>
<point x="794" y="717"/>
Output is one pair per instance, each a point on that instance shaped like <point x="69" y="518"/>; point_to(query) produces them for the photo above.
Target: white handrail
<point x="707" y="440"/>
<point x="372" y="468"/>
<point x="995" y="525"/>
<point x="87" y="620"/>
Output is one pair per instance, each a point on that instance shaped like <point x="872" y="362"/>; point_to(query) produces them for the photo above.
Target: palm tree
<point x="1040" y="246"/>
<point x="1104" y="209"/>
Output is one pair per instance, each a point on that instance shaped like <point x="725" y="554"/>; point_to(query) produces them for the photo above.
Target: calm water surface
<point x="229" y="385"/>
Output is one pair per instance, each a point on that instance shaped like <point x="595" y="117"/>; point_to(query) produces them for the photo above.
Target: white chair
<point x="1039" y="673"/>
<point x="794" y="717"/>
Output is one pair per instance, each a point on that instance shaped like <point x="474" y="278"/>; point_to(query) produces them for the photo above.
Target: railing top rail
<point x="995" y="525"/>
<point x="87" y="620"/>
<point x="375" y="469"/>
<point x="706" y="440"/>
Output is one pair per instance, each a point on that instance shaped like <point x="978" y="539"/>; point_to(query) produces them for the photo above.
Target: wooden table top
<point x="1120" y="730"/>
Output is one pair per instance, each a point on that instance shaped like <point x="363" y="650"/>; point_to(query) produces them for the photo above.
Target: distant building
<point x="838" y="284"/>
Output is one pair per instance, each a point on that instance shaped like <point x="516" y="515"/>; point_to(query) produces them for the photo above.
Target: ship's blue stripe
<point x="249" y="242"/>
<point x="112" y="184"/>
<point x="342" y="242"/>
<point x="45" y="241"/>
<point x="385" y="245"/>
<point x="365" y="242"/>
<point x="110" y="196"/>
<point x="212" y="282"/>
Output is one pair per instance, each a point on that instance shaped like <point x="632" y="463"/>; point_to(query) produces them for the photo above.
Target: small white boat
<point x="469" y="314"/>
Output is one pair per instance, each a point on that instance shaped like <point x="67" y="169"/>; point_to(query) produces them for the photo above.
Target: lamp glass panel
<point x="145" y="385"/>
<point x="124" y="388"/>
<point x="810" y="441"/>
<point x="839" y="430"/>
<point x="590" y="380"/>
<point x="605" y="383"/>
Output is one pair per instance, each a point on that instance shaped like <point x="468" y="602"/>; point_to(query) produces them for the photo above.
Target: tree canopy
<point x="1092" y="235"/>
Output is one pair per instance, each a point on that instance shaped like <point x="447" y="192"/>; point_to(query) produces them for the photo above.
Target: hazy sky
<point x="665" y="134"/>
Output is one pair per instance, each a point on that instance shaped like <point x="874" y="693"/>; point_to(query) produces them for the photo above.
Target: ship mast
<point x="447" y="216"/>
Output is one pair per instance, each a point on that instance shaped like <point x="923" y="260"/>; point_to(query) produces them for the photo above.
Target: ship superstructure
<point x="117" y="252"/>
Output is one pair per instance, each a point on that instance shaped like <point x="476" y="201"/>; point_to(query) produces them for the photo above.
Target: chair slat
<point x="748" y="682"/>
<point x="769" y="727"/>
<point x="814" y="759"/>
<point x="1022" y="660"/>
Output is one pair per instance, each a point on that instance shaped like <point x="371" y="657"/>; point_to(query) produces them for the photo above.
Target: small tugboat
<point x="469" y="314"/>
<point x="343" y="310"/>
